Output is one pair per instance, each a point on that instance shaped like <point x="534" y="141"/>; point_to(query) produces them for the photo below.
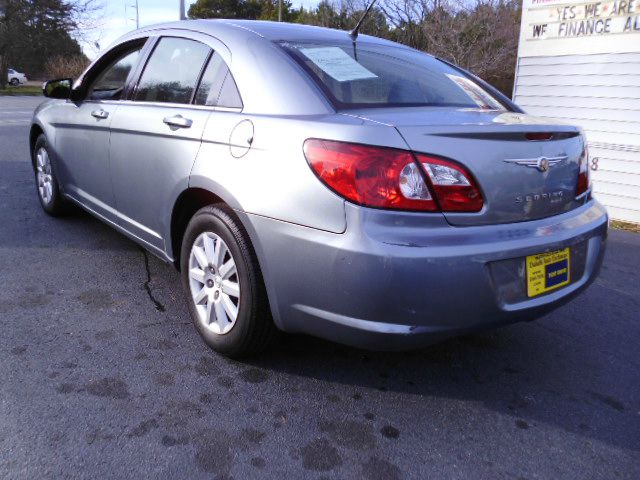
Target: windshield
<point x="386" y="76"/>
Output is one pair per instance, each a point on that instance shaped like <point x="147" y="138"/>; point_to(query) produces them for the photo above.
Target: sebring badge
<point x="541" y="163"/>
<point x="553" y="197"/>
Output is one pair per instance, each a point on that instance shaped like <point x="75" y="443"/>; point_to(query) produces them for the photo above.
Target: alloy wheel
<point x="44" y="176"/>
<point x="214" y="283"/>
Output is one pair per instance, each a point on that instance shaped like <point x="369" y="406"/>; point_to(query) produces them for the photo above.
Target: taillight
<point x="583" y="174"/>
<point x="371" y="176"/>
<point x="453" y="186"/>
<point x="391" y="178"/>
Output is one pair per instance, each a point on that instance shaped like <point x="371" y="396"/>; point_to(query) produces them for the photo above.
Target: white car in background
<point x="16" y="78"/>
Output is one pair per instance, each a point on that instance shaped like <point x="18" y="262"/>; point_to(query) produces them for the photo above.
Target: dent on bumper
<point x="399" y="280"/>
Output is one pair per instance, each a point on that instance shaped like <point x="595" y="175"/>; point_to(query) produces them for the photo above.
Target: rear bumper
<point x="401" y="280"/>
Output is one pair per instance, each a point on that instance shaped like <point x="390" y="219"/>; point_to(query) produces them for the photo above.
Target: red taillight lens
<point x="371" y="176"/>
<point x="391" y="178"/>
<point x="454" y="188"/>
<point x="583" y="175"/>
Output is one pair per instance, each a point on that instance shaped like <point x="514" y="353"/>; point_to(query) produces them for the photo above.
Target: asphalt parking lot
<point x="103" y="375"/>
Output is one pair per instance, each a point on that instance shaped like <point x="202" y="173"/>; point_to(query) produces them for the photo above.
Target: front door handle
<point x="178" y="121"/>
<point x="101" y="114"/>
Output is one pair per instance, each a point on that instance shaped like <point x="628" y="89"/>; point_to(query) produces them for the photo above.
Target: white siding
<point x="601" y="93"/>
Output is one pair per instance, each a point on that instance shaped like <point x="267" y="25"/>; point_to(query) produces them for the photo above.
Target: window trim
<point x="169" y="105"/>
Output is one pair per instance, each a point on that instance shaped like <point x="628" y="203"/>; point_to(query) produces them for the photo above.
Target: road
<point x="103" y="375"/>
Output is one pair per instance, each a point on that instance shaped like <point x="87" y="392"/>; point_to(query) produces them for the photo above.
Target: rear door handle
<point x="100" y="114"/>
<point x="178" y="121"/>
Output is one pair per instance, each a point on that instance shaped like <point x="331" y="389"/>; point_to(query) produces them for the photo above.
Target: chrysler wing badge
<point x="541" y="163"/>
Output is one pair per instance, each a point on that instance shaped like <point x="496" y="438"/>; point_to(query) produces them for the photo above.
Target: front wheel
<point x="223" y="284"/>
<point x="46" y="180"/>
<point x="14" y="82"/>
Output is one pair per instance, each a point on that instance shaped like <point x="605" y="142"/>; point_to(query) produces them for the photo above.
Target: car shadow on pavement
<point x="521" y="371"/>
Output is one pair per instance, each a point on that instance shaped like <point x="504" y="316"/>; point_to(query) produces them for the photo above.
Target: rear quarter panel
<point x="273" y="178"/>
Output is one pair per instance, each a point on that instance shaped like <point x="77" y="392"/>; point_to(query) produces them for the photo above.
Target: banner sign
<point x="568" y="27"/>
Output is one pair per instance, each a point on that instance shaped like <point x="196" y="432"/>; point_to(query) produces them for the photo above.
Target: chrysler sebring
<point x="305" y="180"/>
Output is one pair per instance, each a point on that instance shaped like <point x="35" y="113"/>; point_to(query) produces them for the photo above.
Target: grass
<point x="21" y="90"/>
<point x="628" y="226"/>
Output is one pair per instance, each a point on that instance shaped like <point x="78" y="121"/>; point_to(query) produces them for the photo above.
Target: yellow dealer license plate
<point x="547" y="271"/>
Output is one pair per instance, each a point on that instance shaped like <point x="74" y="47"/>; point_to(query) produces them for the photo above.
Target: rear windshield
<point x="386" y="76"/>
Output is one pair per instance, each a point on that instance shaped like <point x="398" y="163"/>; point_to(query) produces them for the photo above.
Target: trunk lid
<point x="492" y="145"/>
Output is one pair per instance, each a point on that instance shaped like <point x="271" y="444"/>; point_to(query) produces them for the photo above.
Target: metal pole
<point x="182" y="15"/>
<point x="279" y="10"/>
<point x="137" y="16"/>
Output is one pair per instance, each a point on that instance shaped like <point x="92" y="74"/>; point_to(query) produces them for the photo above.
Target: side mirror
<point x="60" y="88"/>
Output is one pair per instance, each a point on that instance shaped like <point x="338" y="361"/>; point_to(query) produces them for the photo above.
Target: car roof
<point x="272" y="31"/>
<point x="258" y="66"/>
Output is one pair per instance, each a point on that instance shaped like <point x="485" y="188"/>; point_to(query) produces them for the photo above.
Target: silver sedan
<point x="305" y="181"/>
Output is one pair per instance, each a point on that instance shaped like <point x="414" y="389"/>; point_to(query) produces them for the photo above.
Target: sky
<point x="118" y="17"/>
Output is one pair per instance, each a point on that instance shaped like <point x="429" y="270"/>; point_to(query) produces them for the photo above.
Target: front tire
<point x="14" y="82"/>
<point x="47" y="185"/>
<point x="223" y="284"/>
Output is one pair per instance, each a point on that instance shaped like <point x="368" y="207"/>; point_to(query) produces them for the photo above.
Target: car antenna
<point x="354" y="33"/>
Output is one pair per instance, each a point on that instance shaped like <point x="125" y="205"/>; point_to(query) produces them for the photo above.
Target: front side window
<point x="172" y="72"/>
<point x="373" y="75"/>
<point x="110" y="82"/>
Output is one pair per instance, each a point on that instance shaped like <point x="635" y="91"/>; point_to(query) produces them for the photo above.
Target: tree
<point x="224" y="9"/>
<point x="326" y="15"/>
<point x="375" y="23"/>
<point x="246" y="9"/>
<point x="34" y="30"/>
<point x="5" y="28"/>
<point x="480" y="35"/>
<point x="269" y="10"/>
<point x="64" y="66"/>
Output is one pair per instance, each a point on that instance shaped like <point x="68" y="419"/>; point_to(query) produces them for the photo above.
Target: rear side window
<point x="217" y="87"/>
<point x="229" y="95"/>
<point x="374" y="75"/>
<point x="211" y="83"/>
<point x="172" y="72"/>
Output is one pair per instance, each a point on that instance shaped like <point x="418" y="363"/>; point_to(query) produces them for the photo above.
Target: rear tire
<point x="47" y="186"/>
<point x="223" y="284"/>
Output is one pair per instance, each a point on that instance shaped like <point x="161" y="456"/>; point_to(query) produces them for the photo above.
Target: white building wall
<point x="598" y="91"/>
